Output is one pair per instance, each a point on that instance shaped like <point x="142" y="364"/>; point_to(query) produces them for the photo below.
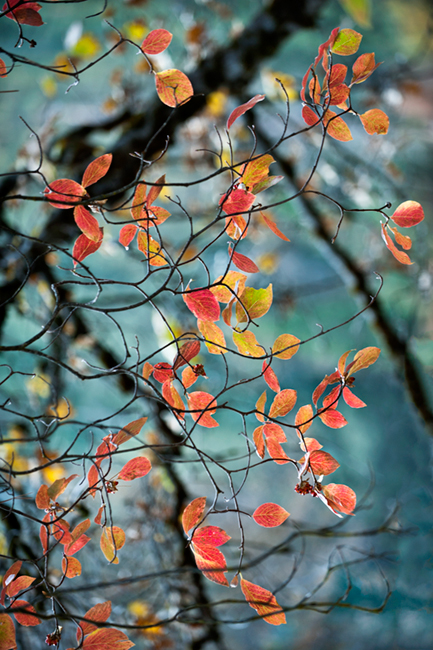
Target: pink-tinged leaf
<point x="338" y="94"/>
<point x="189" y="377"/>
<point x="11" y="574"/>
<point x="74" y="547"/>
<point x="260" y="406"/>
<point x="304" y="418"/>
<point x="7" y="633"/>
<point x="203" y="304"/>
<point x="211" y="562"/>
<point x="247" y="344"/>
<point x="61" y="532"/>
<point x="332" y="398"/>
<point x="173" y="398"/>
<point x="156" y="190"/>
<point x="337" y="75"/>
<point x="236" y="227"/>
<point x="66" y="191"/>
<point x="363" y="359"/>
<point x="318" y="391"/>
<point x="58" y="487"/>
<point x="80" y="529"/>
<point x="237" y="202"/>
<point x="97" y="169"/>
<point x="322" y="463"/>
<point x="341" y="498"/>
<point x="274" y="431"/>
<point x="232" y="279"/>
<point x="352" y="400"/>
<point x="107" y="638"/>
<point x="193" y="513"/>
<point x="112" y="539"/>
<point x="214" y="337"/>
<point x="71" y="567"/>
<point x="27" y="618"/>
<point x="408" y="214"/>
<point x="203" y="406"/>
<point x="84" y="247"/>
<point x="255" y="171"/>
<point x="138" y="200"/>
<point x="402" y="240"/>
<point x="210" y="536"/>
<point x="187" y="351"/>
<point x="274" y="435"/>
<point x="336" y="127"/>
<point x="19" y="584"/>
<point x="98" y="517"/>
<point x="327" y="44"/>
<point x="99" y="613"/>
<point x="256" y="302"/>
<point x="375" y="121"/>
<point x="87" y="223"/>
<point x="311" y="444"/>
<point x="285" y="346"/>
<point x="135" y="468"/>
<point x="263" y="602"/>
<point x="43" y="536"/>
<point x="129" y="431"/>
<point x="156" y="41"/>
<point x="93" y="479"/>
<point x="243" y="262"/>
<point x="304" y="83"/>
<point x="363" y="67"/>
<point x="26" y="15"/>
<point x="270" y="515"/>
<point x="401" y="257"/>
<point x="243" y="108"/>
<point x="173" y="87"/>
<point x="315" y="90"/>
<point x="347" y="42"/>
<point x="162" y="371"/>
<point x="270" y="377"/>
<point x="127" y="234"/>
<point x="42" y="498"/>
<point x="283" y="403"/>
<point x="272" y="226"/>
<point x="258" y="440"/>
<point x="332" y="418"/>
<point x="310" y="117"/>
<point x="3" y="69"/>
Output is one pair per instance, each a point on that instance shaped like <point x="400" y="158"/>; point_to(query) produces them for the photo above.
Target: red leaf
<point x="173" y="87"/>
<point x="3" y="69"/>
<point x="310" y="117"/>
<point x="66" y="191"/>
<point x="283" y="403"/>
<point x="22" y="582"/>
<point x="375" y="121"/>
<point x="71" y="567"/>
<point x="203" y="304"/>
<point x="173" y="398"/>
<point x="156" y="41"/>
<point x="189" y="377"/>
<point x="271" y="225"/>
<point x="270" y="377"/>
<point x="135" y="468"/>
<point x="363" y="67"/>
<point x="58" y="487"/>
<point x="129" y="431"/>
<point x="204" y="406"/>
<point x="347" y="42"/>
<point x="24" y="618"/>
<point x="97" y="169"/>
<point x="401" y="257"/>
<point x="270" y="515"/>
<point x="408" y="214"/>
<point x="7" y="633"/>
<point x="324" y="46"/>
<point x="26" y="15"/>
<point x="107" y="638"/>
<point x="98" y="517"/>
<point x="311" y="444"/>
<point x="318" y="391"/>
<point x="243" y="108"/>
<point x="352" y="400"/>
<point x="99" y="613"/>
<point x="85" y="246"/>
<point x="193" y="513"/>
<point x="237" y="202"/>
<point x="243" y="262"/>
<point x="323" y="463"/>
<point x="127" y="234"/>
<point x="10" y="576"/>
<point x="332" y="418"/>
<point x="341" y="498"/>
<point x="42" y="498"/>
<point x="332" y="398"/>
<point x="263" y="602"/>
<point x="210" y="536"/>
<point x="162" y="371"/>
<point x="187" y="351"/>
<point x="212" y="562"/>
<point x="87" y="223"/>
<point x="336" y="127"/>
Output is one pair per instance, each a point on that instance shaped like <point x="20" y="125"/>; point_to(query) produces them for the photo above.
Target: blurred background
<point x="385" y="451"/>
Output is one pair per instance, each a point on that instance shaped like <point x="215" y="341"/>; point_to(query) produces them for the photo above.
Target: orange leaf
<point x="403" y="258"/>
<point x="260" y="406"/>
<point x="189" y="377"/>
<point x="324" y="47"/>
<point x="147" y="245"/>
<point x="347" y="42"/>
<point x="408" y="214"/>
<point x="193" y="513"/>
<point x="212" y="562"/>
<point x="156" y="189"/>
<point x="173" y="87"/>
<point x="232" y="279"/>
<point x="304" y="414"/>
<point x="402" y="240"/>
<point x="17" y="585"/>
<point x="162" y="371"/>
<point x="204" y="406"/>
<point x="85" y="246"/>
<point x="214" y="337"/>
<point x="156" y="41"/>
<point x="138" y="200"/>
<point x="203" y="304"/>
<point x="263" y="602"/>
<point x="187" y="351"/>
<point x="283" y="403"/>
<point x="285" y="346"/>
<point x="7" y="633"/>
<point x="336" y="127"/>
<point x="270" y="377"/>
<point x="311" y="444"/>
<point x="375" y="121"/>
<point x="332" y="418"/>
<point x="363" y="67"/>
<point x="97" y="169"/>
<point x="243" y="108"/>
<point x="58" y="487"/>
<point x="98" y="613"/>
<point x="127" y="234"/>
<point x="270" y="515"/>
<point x="352" y="400"/>
<point x="147" y="370"/>
<point x="66" y="191"/>
<point x="258" y="439"/>
<point x="255" y="171"/>
<point x="310" y="117"/>
<point x="71" y="567"/>
<point x="129" y="431"/>
<point x="210" y="536"/>
<point x="173" y="398"/>
<point x="3" y="69"/>
<point x="25" y="618"/>
<point x="341" y="498"/>
<point x="87" y="223"/>
<point x="112" y="539"/>
<point x="42" y="498"/>
<point x="135" y="468"/>
<point x="363" y="359"/>
<point x="107" y="638"/>
<point x="323" y="463"/>
<point x="271" y="225"/>
<point x="98" y="517"/>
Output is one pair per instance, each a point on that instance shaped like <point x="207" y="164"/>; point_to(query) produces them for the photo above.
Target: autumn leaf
<point x="408" y="214"/>
<point x="283" y="403"/>
<point x="211" y="562"/>
<point x="203" y="304"/>
<point x="193" y="513"/>
<point x="162" y="371"/>
<point x="285" y="346"/>
<point x="256" y="302"/>
<point x="156" y="41"/>
<point x="203" y="406"/>
<point x="112" y="539"/>
<point x="270" y="515"/>
<point x="309" y="116"/>
<point x="332" y="418"/>
<point x="237" y="202"/>
<point x="87" y="223"/>
<point x="210" y="536"/>
<point x="263" y="602"/>
<point x="400" y="256"/>
<point x="363" y="359"/>
<point x="97" y="169"/>
<point x="214" y="337"/>
<point x="135" y="468"/>
<point x="260" y="406"/>
<point x="71" y="567"/>
<point x="255" y="171"/>
<point x="173" y="87"/>
<point x="258" y="439"/>
<point x="304" y="417"/>
<point x="107" y="638"/>
<point x="340" y="498"/>
<point x="98" y="613"/>
<point x="375" y="121"/>
<point x="272" y="226"/>
<point x="3" y="73"/>
<point x="243" y="108"/>
<point x="129" y="431"/>
<point x="336" y="127"/>
<point x="352" y="400"/>
<point x="151" y="248"/>
<point x="127" y="234"/>
<point x="85" y="246"/>
<point x="347" y="42"/>
<point x="322" y="463"/>
<point x="270" y="377"/>
<point x="243" y="262"/>
<point x="225" y="287"/>
<point x="247" y="344"/>
<point x="42" y="498"/>
<point x="19" y="584"/>
<point x="26" y="14"/>
<point x="363" y="67"/>
<point x="7" y="633"/>
<point x="28" y="617"/>
<point x="187" y="351"/>
<point x="58" y="487"/>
